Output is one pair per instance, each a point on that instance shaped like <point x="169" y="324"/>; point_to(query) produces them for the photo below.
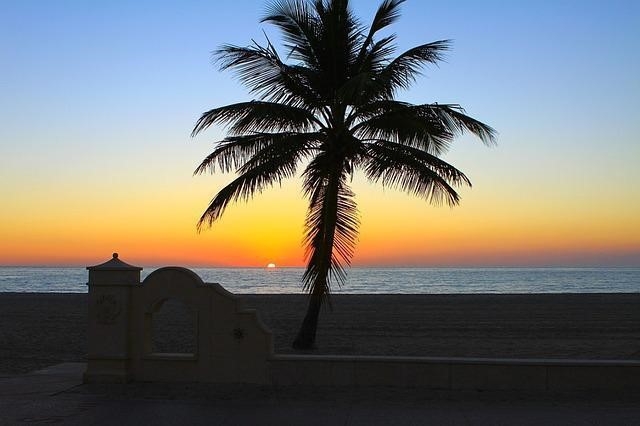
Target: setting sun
<point x="271" y="265"/>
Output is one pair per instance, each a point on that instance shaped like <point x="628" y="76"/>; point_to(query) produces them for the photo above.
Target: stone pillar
<point x="109" y="334"/>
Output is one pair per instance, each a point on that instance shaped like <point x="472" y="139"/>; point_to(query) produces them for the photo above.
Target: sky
<point x="99" y="99"/>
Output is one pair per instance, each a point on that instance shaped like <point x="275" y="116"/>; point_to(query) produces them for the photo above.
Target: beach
<point x="42" y="329"/>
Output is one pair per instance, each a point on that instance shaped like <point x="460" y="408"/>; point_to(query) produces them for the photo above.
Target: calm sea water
<point x="363" y="280"/>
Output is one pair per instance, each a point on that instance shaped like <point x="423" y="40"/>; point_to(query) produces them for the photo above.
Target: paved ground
<point x="56" y="396"/>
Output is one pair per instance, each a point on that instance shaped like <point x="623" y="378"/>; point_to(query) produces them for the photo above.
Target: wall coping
<point x="460" y="360"/>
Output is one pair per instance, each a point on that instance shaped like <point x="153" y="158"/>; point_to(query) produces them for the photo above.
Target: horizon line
<point x="360" y="266"/>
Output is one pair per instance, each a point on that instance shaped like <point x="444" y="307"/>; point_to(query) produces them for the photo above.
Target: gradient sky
<point x="98" y="100"/>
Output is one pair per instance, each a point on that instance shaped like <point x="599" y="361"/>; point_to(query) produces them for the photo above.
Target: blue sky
<point x="98" y="95"/>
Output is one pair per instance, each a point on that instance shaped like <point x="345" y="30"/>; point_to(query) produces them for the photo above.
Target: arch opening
<point x="173" y="328"/>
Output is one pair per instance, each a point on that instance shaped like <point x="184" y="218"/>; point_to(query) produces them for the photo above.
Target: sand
<point x="38" y="329"/>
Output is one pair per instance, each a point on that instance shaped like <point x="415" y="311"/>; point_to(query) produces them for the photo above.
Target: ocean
<point x="363" y="280"/>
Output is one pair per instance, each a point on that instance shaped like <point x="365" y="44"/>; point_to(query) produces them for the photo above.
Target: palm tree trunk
<point x="320" y="260"/>
<point x="307" y="335"/>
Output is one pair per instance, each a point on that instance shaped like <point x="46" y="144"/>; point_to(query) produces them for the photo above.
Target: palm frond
<point x="258" y="116"/>
<point x="340" y="39"/>
<point x="401" y="73"/>
<point x="376" y="58"/>
<point x="363" y="82"/>
<point x="414" y="171"/>
<point x="267" y="76"/>
<point x="404" y="123"/>
<point x="454" y="118"/>
<point x="388" y="12"/>
<point x="431" y="127"/>
<point x="272" y="170"/>
<point x="233" y="152"/>
<point x="298" y="25"/>
<point x="295" y="146"/>
<point x="350" y="92"/>
<point x="331" y="225"/>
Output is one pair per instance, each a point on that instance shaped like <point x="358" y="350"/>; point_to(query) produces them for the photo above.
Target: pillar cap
<point x="114" y="264"/>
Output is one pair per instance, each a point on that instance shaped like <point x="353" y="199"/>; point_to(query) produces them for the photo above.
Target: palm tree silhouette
<point x="330" y="106"/>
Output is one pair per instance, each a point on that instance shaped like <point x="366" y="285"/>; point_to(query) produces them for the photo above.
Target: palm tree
<point x="330" y="106"/>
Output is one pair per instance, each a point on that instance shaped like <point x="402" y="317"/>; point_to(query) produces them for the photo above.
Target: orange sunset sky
<point x="99" y="101"/>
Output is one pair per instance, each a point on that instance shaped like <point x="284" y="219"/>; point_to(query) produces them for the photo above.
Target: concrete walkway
<point x="56" y="395"/>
